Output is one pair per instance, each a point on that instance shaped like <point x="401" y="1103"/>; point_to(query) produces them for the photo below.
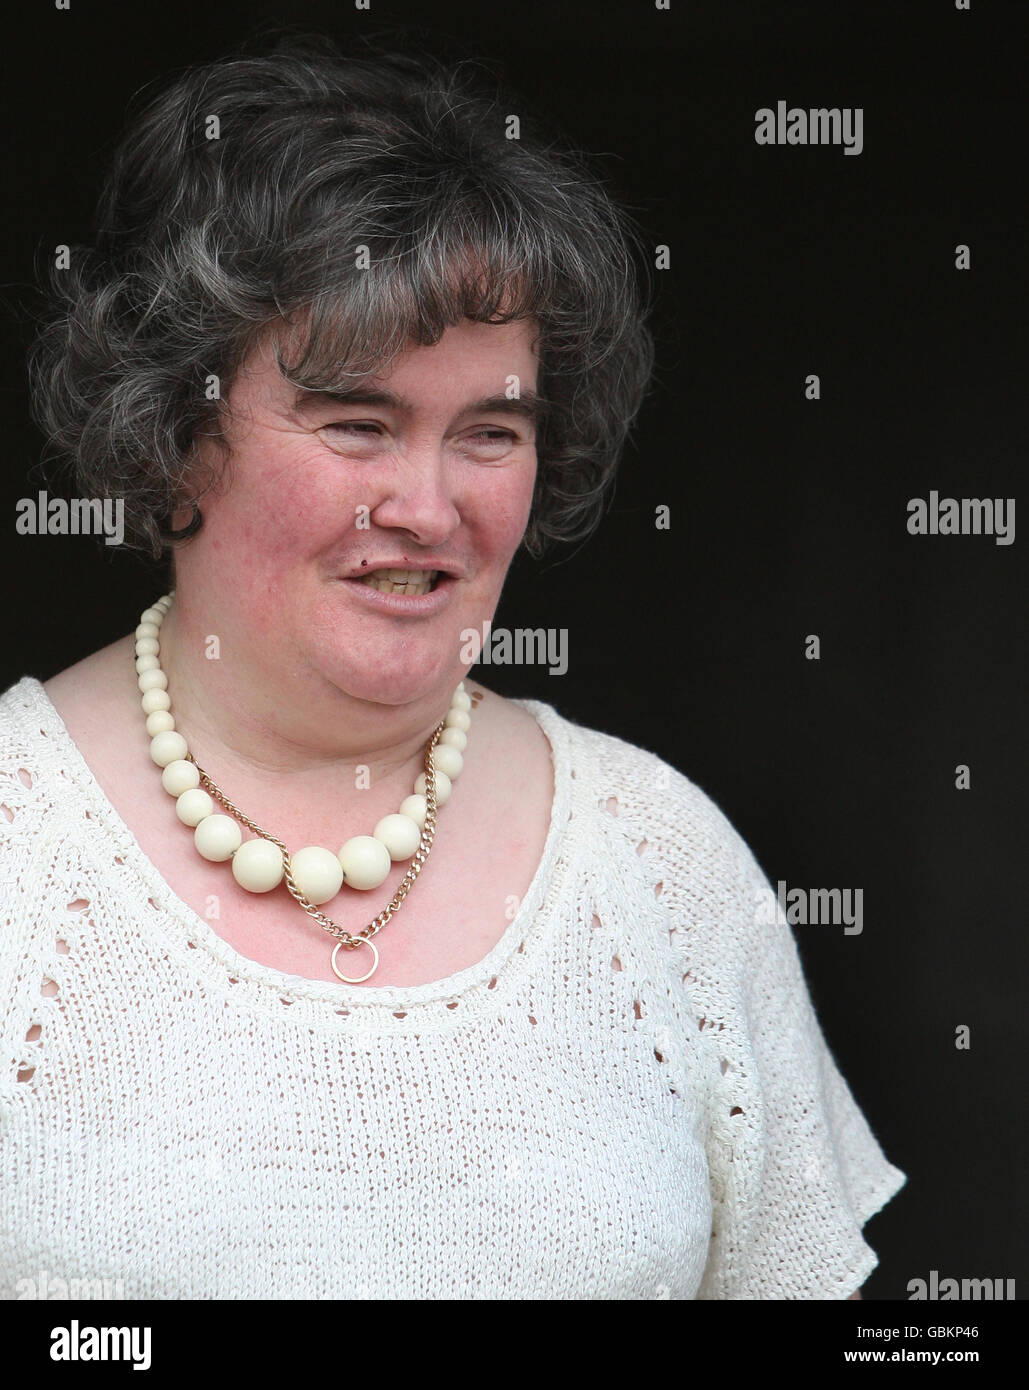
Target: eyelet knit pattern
<point x="630" y="1097"/>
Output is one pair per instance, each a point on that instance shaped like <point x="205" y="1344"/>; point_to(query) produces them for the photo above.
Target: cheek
<point x="276" y="514"/>
<point x="503" y="511"/>
<point x="260" y="541"/>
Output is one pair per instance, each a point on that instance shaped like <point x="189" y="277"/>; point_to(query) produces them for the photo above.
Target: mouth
<point x="412" y="583"/>
<point x="403" y="593"/>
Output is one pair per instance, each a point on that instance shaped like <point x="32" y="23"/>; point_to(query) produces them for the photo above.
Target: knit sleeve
<point x="795" y="1169"/>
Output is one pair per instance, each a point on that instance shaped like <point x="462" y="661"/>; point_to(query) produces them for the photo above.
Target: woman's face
<point x="319" y="491"/>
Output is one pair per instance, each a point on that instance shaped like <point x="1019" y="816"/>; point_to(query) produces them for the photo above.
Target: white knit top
<point x="630" y="1097"/>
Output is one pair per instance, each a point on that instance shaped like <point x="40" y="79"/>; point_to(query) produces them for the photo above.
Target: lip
<point x="404" y="605"/>
<point x="424" y="562"/>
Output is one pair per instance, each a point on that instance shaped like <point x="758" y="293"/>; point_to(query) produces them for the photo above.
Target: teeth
<point x="394" y="581"/>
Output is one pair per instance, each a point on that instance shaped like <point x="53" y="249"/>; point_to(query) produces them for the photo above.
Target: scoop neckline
<point x="353" y="996"/>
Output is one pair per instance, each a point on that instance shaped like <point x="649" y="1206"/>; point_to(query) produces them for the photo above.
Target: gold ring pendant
<point x="355" y="980"/>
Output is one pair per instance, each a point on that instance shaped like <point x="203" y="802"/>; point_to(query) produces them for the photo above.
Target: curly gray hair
<point x="204" y="245"/>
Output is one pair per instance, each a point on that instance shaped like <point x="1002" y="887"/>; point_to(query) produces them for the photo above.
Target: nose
<point x="415" y="496"/>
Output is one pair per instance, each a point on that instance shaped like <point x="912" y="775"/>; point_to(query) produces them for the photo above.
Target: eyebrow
<point x="529" y="406"/>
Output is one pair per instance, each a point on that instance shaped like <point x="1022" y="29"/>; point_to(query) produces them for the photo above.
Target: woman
<point x="328" y="971"/>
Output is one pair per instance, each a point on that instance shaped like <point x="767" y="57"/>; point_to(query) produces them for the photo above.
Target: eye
<point x="356" y="437"/>
<point x="489" y="436"/>
<point x="488" y="439"/>
<point x="360" y="425"/>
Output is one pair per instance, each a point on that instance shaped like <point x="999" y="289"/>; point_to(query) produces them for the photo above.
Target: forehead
<point x="474" y="349"/>
<point x="480" y="357"/>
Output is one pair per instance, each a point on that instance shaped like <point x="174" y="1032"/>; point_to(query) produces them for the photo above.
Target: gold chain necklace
<point x="363" y="861"/>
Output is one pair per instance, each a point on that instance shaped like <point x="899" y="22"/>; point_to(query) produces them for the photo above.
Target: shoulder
<point x="35" y="801"/>
<point x="45" y="780"/>
<point x="25" y="727"/>
<point x="93" y="690"/>
<point x="38" y="770"/>
<point x="641" y="822"/>
<point x="648" y="795"/>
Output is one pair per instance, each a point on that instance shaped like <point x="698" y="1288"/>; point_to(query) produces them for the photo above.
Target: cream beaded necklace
<point x="313" y="875"/>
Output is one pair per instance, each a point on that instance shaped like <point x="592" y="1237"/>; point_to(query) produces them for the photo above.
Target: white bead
<point x="444" y="759"/>
<point x="454" y="738"/>
<point x="155" y="699"/>
<point x="152" y="615"/>
<point x="217" y="837"/>
<point x="195" y="805"/>
<point x="366" y="862"/>
<point x="147" y="630"/>
<point x="165" y="748"/>
<point x="442" y="787"/>
<point x="152" y="680"/>
<point x="257" y="866"/>
<point x="458" y="719"/>
<point x="400" y="834"/>
<point x="147" y="663"/>
<point x="147" y="646"/>
<point x="415" y="807"/>
<point x="461" y="700"/>
<point x="159" y="722"/>
<point x="180" y="776"/>
<point x="317" y="873"/>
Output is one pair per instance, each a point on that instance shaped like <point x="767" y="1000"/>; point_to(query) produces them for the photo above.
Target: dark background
<point x="788" y="516"/>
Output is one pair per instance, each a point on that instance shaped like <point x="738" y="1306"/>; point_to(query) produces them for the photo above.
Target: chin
<point x="397" y="684"/>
